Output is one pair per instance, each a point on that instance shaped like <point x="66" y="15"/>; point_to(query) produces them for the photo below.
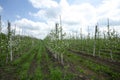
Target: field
<point x="59" y="58"/>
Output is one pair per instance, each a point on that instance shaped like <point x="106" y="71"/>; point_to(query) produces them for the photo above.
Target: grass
<point x="51" y="70"/>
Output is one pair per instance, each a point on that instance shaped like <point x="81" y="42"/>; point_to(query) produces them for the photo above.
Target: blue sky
<point x="12" y="8"/>
<point x="38" y="17"/>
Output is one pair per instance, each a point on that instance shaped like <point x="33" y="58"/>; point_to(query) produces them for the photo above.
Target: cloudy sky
<point x="38" y="17"/>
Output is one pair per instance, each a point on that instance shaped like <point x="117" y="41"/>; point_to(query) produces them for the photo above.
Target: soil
<point x="33" y="66"/>
<point x="44" y="67"/>
<point x="8" y="73"/>
<point x="70" y="70"/>
<point x="87" y="73"/>
<point x="114" y="65"/>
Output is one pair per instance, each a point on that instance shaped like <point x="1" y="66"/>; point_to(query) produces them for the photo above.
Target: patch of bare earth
<point x="8" y="73"/>
<point x="72" y="69"/>
<point x="114" y="65"/>
<point x="33" y="66"/>
<point x="45" y="66"/>
<point x="67" y="68"/>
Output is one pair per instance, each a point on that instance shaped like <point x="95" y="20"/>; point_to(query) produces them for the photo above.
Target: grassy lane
<point x="96" y="71"/>
<point x="21" y="68"/>
<point x="46" y="67"/>
<point x="56" y="70"/>
<point x="25" y="64"/>
<point x="44" y="63"/>
<point x="39" y="66"/>
<point x="80" y="69"/>
<point x="11" y="70"/>
<point x="114" y="65"/>
<point x="67" y="71"/>
<point x="32" y="67"/>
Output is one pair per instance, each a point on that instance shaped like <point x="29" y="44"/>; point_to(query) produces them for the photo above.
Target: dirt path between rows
<point x="44" y="67"/>
<point x="83" y="72"/>
<point x="71" y="68"/>
<point x="8" y="73"/>
<point x="114" y="65"/>
<point x="33" y="66"/>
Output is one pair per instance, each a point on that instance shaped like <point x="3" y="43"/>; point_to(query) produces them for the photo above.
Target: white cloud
<point x="109" y="9"/>
<point x="77" y="15"/>
<point x="29" y="27"/>
<point x="43" y="3"/>
<point x="50" y="13"/>
<point x="1" y="9"/>
<point x="48" y="9"/>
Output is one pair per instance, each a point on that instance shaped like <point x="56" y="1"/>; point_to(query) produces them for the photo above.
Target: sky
<point x="37" y="17"/>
